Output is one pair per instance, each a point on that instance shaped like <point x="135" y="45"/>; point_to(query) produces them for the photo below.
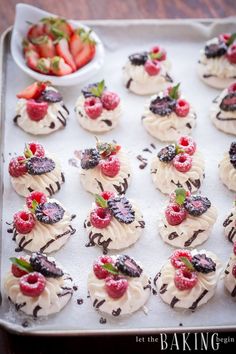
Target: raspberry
<point x="93" y="107"/>
<point x="110" y="100"/>
<point x="100" y="217"/>
<point x="24" y="221"/>
<point x="100" y="272"/>
<point x="184" y="279"/>
<point x="36" y="110"/>
<point x="17" y="167"/>
<point x="35" y="148"/>
<point x="182" y="162"/>
<point x="38" y="197"/>
<point x="234" y="248"/>
<point x="182" y="108"/>
<point x="175" y="258"/>
<point x="111" y="166"/>
<point x="152" y="67"/>
<point x="160" y="51"/>
<point x="116" y="286"/>
<point x="32" y="284"/>
<point x="234" y="270"/>
<point x="231" y="54"/>
<point x="175" y="214"/>
<point x="187" y="144"/>
<point x="17" y="272"/>
<point x="232" y="88"/>
<point x="106" y="195"/>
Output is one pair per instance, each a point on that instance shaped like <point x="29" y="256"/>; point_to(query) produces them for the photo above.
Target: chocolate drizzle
<point x="143" y="161"/>
<point x="19" y="306"/>
<point x="107" y="122"/>
<point x="207" y="76"/>
<point x="173" y="235"/>
<point x="233" y="293"/>
<point x="66" y="109"/>
<point x="157" y="276"/>
<point x="195" y="303"/>
<point x="141" y="224"/>
<point x="104" y="244"/>
<point x="71" y="231"/>
<point x="191" y="239"/>
<point x="163" y="289"/>
<point x="188" y="125"/>
<point x="102" y="320"/>
<point x="122" y="187"/>
<point x="231" y="234"/>
<point x="117" y="312"/>
<point x="52" y="125"/>
<point x="224" y="119"/>
<point x="99" y="185"/>
<point x="174" y="301"/>
<point x="168" y="78"/>
<point x="61" y="119"/>
<point x="16" y="118"/>
<point x="178" y="184"/>
<point x="129" y="83"/>
<point x="228" y="220"/>
<point x="196" y="183"/>
<point x="22" y="244"/>
<point x="98" y="304"/>
<point x="148" y="286"/>
<point x="36" y="310"/>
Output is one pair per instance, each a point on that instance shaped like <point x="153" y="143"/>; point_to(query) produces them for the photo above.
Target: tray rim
<point x="5" y="36"/>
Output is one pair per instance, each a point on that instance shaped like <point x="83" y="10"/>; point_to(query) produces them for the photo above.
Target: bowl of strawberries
<point x="50" y="48"/>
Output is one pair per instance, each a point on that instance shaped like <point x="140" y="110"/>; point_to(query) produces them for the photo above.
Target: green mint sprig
<point x="110" y="268"/>
<point x="188" y="264"/>
<point x="174" y="92"/>
<point x="22" y="264"/>
<point x="100" y="201"/>
<point x="180" y="195"/>
<point x="99" y="89"/>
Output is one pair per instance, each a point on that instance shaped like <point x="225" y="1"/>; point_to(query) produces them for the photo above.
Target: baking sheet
<point x="182" y="40"/>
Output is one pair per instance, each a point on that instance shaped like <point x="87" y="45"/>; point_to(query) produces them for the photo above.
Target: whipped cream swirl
<point x="227" y="173"/>
<point x="229" y="225"/>
<point x="229" y="279"/>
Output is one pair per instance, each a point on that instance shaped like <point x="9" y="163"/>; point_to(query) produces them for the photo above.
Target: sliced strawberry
<point x="62" y="49"/>
<point x="43" y="65"/>
<point x="57" y="27"/>
<point x="59" y="67"/>
<point x="45" y="46"/>
<point x="85" y="55"/>
<point x="35" y="31"/>
<point x="65" y="27"/>
<point x="76" y="42"/>
<point x="32" y="57"/>
<point x="32" y="91"/>
<point x="27" y="45"/>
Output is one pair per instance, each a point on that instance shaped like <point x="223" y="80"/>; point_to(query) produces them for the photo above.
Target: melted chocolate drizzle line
<point x="163" y="289"/>
<point x="174" y="301"/>
<point x="102" y="320"/>
<point x="178" y="184"/>
<point x="148" y="286"/>
<point x="168" y="77"/>
<point x="36" y="310"/>
<point x="191" y="239"/>
<point x="98" y="304"/>
<point x="207" y="76"/>
<point x="22" y="244"/>
<point x="173" y="235"/>
<point x="52" y="125"/>
<point x="153" y="146"/>
<point x="71" y="231"/>
<point x="195" y="303"/>
<point x="215" y="99"/>
<point x="50" y="190"/>
<point x="224" y="119"/>
<point x="143" y="161"/>
<point x="16" y="118"/>
<point x="228" y="220"/>
<point x="157" y="276"/>
<point x="66" y="109"/>
<point x="104" y="244"/>
<point x="62" y="119"/>
<point x="188" y="125"/>
<point x="19" y="306"/>
<point x="107" y="122"/>
<point x="30" y="189"/>
<point x="129" y="83"/>
<point x="99" y="185"/>
<point x="62" y="177"/>
<point x="116" y="312"/>
<point x="141" y="224"/>
<point x="147" y="150"/>
<point x="231" y="234"/>
<point x="80" y="301"/>
<point x="122" y="187"/>
<point x="233" y="294"/>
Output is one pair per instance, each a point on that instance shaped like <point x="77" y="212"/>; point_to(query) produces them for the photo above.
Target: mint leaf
<point x="110" y="268"/>
<point x="180" y="194"/>
<point x="188" y="264"/>
<point x="100" y="201"/>
<point x="231" y="39"/>
<point x="28" y="153"/>
<point x="98" y="91"/>
<point x="178" y="149"/>
<point x="174" y="92"/>
<point x="22" y="264"/>
<point x="155" y="56"/>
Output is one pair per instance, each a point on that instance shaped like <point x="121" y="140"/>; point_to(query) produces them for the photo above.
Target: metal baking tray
<point x="183" y="40"/>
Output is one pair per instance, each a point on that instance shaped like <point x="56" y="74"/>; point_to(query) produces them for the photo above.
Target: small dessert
<point x="35" y="170"/>
<point x="98" y="110"/>
<point x="114" y="222"/>
<point x="54" y="47"/>
<point x="178" y="165"/>
<point x="217" y="63"/>
<point x="37" y="285"/>
<point x="168" y="115"/>
<point x="43" y="225"/>
<point x="105" y="168"/>
<point x="230" y="274"/>
<point x="40" y="109"/>
<point x="223" y="110"/>
<point x="187" y="219"/>
<point x="229" y="225"/>
<point x="188" y="279"/>
<point x="227" y="168"/>
<point x="117" y="285"/>
<point x="147" y="73"/>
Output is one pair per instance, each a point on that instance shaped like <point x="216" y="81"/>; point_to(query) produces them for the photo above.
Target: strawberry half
<point x="85" y="55"/>
<point x="32" y="91"/>
<point x="57" y="27"/>
<point x="77" y="41"/>
<point x="59" y="67"/>
<point x="43" y="65"/>
<point x="45" y="46"/>
<point x="35" y="31"/>
<point x="62" y="49"/>
<point x="31" y="58"/>
<point x="27" y="46"/>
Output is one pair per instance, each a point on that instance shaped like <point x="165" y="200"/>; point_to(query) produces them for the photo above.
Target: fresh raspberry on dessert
<point x="36" y="110"/>
<point x="175" y="214"/>
<point x="152" y="67"/>
<point x="17" y="167"/>
<point x="32" y="284"/>
<point x="33" y="91"/>
<point x="24" y="222"/>
<point x="234" y="270"/>
<point x="231" y="54"/>
<point x="38" y="197"/>
<point x="182" y="107"/>
<point x="98" y="269"/>
<point x="116" y="286"/>
<point x="111" y="166"/>
<point x="16" y="271"/>
<point x="110" y="100"/>
<point x="187" y="144"/>
<point x="182" y="162"/>
<point x="176" y="261"/>
<point x="232" y="88"/>
<point x="35" y="149"/>
<point x="100" y="217"/>
<point x="185" y="279"/>
<point x="107" y="195"/>
<point x="161" y="53"/>
<point x="93" y="107"/>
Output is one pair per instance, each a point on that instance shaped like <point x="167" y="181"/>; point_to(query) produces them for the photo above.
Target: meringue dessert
<point x="147" y="73"/>
<point x="43" y="225"/>
<point x="114" y="222"/>
<point x="97" y="109"/>
<point x="168" y="115"/>
<point x="187" y="219"/>
<point x="227" y="168"/>
<point x="178" y="165"/>
<point x="40" y="109"/>
<point x="230" y="274"/>
<point x="229" y="225"/>
<point x="105" y="168"/>
<point x="223" y="110"/>
<point x="217" y="63"/>
<point x="37" y="285"/>
<point x="188" y="279"/>
<point x="35" y="170"/>
<point x="117" y="285"/>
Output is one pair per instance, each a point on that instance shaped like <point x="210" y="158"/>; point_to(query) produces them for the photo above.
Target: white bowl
<point x="32" y="14"/>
